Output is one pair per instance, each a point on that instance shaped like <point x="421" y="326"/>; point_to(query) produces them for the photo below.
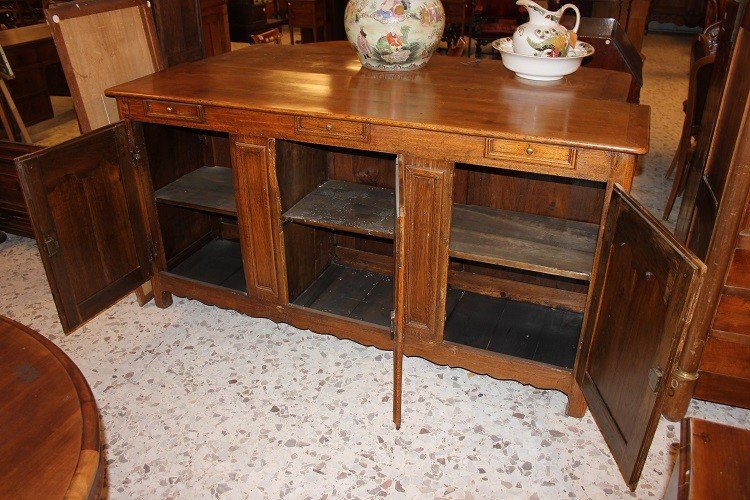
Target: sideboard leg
<point x="144" y="293"/>
<point x="576" y="402"/>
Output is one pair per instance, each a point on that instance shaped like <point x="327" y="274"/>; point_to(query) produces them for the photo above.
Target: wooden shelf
<point x="347" y="206"/>
<point x="513" y="239"/>
<point x="209" y="189"/>
<point x="524" y="241"/>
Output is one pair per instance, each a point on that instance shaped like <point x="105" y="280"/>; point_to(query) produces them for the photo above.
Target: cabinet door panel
<point x="259" y="217"/>
<point x="644" y="294"/>
<point x="89" y="223"/>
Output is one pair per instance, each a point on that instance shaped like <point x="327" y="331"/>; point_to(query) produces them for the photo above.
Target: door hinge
<point x="135" y="154"/>
<point x="655" y="377"/>
<point x="393" y="325"/>
<point x="52" y="246"/>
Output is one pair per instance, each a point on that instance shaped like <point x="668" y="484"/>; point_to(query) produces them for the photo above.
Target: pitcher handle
<point x="578" y="14"/>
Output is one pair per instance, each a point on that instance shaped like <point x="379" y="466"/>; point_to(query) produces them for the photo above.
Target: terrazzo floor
<point x="198" y="402"/>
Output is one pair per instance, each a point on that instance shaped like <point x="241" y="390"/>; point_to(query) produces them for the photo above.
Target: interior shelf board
<point x="347" y="206"/>
<point x="519" y="240"/>
<point x="209" y="189"/>
<point x="523" y="241"/>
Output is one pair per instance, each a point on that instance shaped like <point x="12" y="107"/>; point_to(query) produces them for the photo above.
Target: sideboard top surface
<point x="456" y="95"/>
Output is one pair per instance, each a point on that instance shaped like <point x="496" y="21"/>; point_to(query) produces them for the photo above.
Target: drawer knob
<point x="170" y="109"/>
<point x="329" y="127"/>
<point x="529" y="150"/>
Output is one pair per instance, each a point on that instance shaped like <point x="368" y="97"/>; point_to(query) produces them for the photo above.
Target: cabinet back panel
<point x="564" y="198"/>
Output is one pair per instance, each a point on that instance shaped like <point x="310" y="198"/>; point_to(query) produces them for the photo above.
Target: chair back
<point x="270" y="36"/>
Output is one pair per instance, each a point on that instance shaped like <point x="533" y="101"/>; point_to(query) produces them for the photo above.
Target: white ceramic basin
<point x="541" y="68"/>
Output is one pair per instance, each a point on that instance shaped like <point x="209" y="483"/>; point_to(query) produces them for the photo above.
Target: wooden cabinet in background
<point x="631" y="14"/>
<point x="215" y="24"/>
<point x="14" y="216"/>
<point x="690" y="13"/>
<point x="38" y="73"/>
<point x="715" y="223"/>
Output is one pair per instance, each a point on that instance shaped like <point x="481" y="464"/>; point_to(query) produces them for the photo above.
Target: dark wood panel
<point x="351" y="293"/>
<point x="84" y="202"/>
<point x="208" y="188"/>
<point x="518" y="329"/>
<point x="644" y="294"/>
<point x="217" y="263"/>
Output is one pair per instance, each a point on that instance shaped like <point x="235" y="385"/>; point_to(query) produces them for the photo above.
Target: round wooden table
<point x="49" y="424"/>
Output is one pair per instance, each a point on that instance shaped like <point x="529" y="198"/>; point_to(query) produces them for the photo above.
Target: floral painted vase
<point x="543" y="35"/>
<point x="394" y="35"/>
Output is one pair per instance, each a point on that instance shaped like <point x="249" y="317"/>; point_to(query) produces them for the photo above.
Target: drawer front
<point x="530" y="152"/>
<point x="733" y="314"/>
<point x="343" y="129"/>
<point x="174" y="110"/>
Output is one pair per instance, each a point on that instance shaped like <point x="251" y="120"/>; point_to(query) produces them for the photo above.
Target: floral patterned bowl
<point x="541" y="68"/>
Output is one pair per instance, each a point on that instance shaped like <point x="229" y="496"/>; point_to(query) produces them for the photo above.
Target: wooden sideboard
<point x="490" y="230"/>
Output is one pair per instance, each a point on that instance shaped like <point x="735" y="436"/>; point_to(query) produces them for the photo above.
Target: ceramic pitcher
<point x="543" y="35"/>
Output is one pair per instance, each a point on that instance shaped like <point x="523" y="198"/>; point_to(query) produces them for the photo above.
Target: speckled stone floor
<point x="198" y="402"/>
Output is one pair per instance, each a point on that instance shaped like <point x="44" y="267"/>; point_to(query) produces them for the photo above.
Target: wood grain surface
<point x="50" y="425"/>
<point x="326" y="80"/>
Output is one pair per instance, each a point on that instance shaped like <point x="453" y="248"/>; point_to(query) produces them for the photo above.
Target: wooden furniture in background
<point x="308" y="14"/>
<point x="714" y="462"/>
<point x="102" y="43"/>
<point x="493" y="19"/>
<point x="50" y="423"/>
<point x="631" y="14"/>
<point x="715" y="222"/>
<point x="32" y="55"/>
<point x="246" y="18"/>
<point x="701" y="68"/>
<point x="178" y="26"/>
<point x="271" y="36"/>
<point x="613" y="49"/>
<point x="457" y="17"/>
<point x="215" y="23"/>
<point x="690" y="13"/>
<point x="14" y="216"/>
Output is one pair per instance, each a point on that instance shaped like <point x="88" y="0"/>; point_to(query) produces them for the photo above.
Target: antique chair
<point x="270" y="36"/>
<point x="309" y="14"/>
<point x="701" y="67"/>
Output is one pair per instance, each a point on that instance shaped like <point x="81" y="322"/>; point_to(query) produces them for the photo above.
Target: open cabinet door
<point x="644" y="293"/>
<point x="83" y="199"/>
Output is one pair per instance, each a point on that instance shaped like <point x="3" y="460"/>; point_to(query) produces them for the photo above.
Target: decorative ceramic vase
<point x="543" y="35"/>
<point x="394" y="35"/>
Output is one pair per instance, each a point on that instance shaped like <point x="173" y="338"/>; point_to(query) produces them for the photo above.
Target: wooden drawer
<point x="530" y="152"/>
<point x="174" y="110"/>
<point x="342" y="129"/>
